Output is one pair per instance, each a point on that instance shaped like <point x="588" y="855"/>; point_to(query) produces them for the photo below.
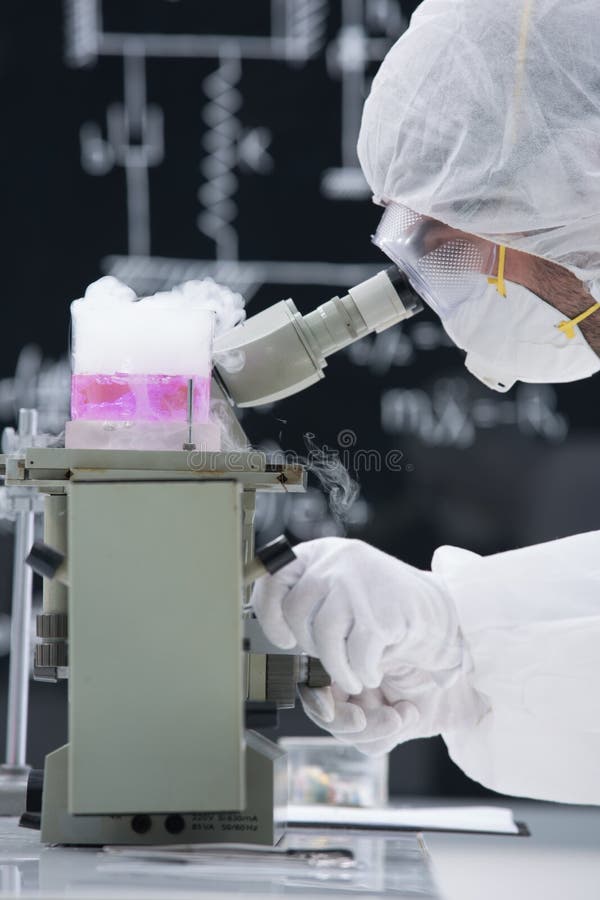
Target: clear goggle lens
<point x="444" y="265"/>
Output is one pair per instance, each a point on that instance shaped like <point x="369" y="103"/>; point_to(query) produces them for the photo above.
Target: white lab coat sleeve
<point x="531" y="623"/>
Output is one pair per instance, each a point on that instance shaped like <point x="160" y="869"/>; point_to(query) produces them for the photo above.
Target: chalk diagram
<point x="351" y="37"/>
<point x="132" y="136"/>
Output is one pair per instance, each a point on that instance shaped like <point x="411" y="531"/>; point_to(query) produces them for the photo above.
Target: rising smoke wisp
<point x="325" y="464"/>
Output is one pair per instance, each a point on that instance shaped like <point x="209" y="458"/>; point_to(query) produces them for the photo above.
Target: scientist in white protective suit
<point x="481" y="140"/>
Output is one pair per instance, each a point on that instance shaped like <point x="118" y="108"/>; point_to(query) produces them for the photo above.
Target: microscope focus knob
<point x="269" y="559"/>
<point x="316" y="674"/>
<point x="276" y="554"/>
<point x="48" y="562"/>
<point x="51" y="653"/>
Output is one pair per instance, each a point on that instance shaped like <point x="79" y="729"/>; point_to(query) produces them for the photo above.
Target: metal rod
<point x="190" y="408"/>
<point x="20" y="643"/>
<point x="189" y="444"/>
<point x="20" y="632"/>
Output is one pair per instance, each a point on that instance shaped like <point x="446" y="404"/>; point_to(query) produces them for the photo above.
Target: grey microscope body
<point x="148" y="625"/>
<point x="145" y="611"/>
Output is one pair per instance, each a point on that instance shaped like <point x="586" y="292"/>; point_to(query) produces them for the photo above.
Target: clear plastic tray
<point x="321" y="770"/>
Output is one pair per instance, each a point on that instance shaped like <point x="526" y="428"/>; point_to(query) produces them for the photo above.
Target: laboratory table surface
<point x="561" y="859"/>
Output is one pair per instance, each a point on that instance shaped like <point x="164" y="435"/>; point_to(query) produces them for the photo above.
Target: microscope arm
<point x="282" y="352"/>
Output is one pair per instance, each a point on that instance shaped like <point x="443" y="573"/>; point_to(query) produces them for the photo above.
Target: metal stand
<point x="21" y="503"/>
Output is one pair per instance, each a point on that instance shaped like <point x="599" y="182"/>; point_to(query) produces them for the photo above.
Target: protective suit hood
<point x="486" y="116"/>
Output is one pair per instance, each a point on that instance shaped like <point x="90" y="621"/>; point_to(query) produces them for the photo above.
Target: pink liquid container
<point x="146" y="398"/>
<point x="141" y="370"/>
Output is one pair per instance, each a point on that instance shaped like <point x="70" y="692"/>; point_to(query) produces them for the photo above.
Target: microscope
<point x="147" y="559"/>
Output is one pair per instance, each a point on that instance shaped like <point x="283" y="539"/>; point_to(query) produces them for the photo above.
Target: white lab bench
<point x="560" y="860"/>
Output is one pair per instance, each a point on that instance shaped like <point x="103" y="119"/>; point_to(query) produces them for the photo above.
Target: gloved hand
<point x="386" y="633"/>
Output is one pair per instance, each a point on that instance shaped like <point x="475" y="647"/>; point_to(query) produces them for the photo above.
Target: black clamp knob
<point x="276" y="554"/>
<point x="45" y="560"/>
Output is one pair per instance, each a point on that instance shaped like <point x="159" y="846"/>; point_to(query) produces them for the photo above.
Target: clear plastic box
<point x="322" y="770"/>
<point x="141" y="371"/>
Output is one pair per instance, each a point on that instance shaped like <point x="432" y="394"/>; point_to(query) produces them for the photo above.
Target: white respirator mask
<point x="508" y="332"/>
<point x="516" y="337"/>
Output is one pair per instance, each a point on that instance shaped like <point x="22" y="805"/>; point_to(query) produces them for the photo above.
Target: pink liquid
<point x="146" y="398"/>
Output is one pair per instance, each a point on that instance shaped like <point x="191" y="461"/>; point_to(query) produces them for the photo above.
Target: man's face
<point x="553" y="283"/>
<point x="549" y="281"/>
<point x="510" y="311"/>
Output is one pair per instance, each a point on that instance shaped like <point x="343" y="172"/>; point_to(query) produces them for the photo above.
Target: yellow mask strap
<point x="568" y="327"/>
<point x="498" y="279"/>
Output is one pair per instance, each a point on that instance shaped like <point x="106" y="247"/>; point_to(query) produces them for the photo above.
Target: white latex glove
<point x="386" y="633"/>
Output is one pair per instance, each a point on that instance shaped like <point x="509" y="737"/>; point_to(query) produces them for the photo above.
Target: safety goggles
<point x="445" y="266"/>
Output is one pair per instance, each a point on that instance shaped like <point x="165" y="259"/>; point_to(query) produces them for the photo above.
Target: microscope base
<point x="262" y="822"/>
